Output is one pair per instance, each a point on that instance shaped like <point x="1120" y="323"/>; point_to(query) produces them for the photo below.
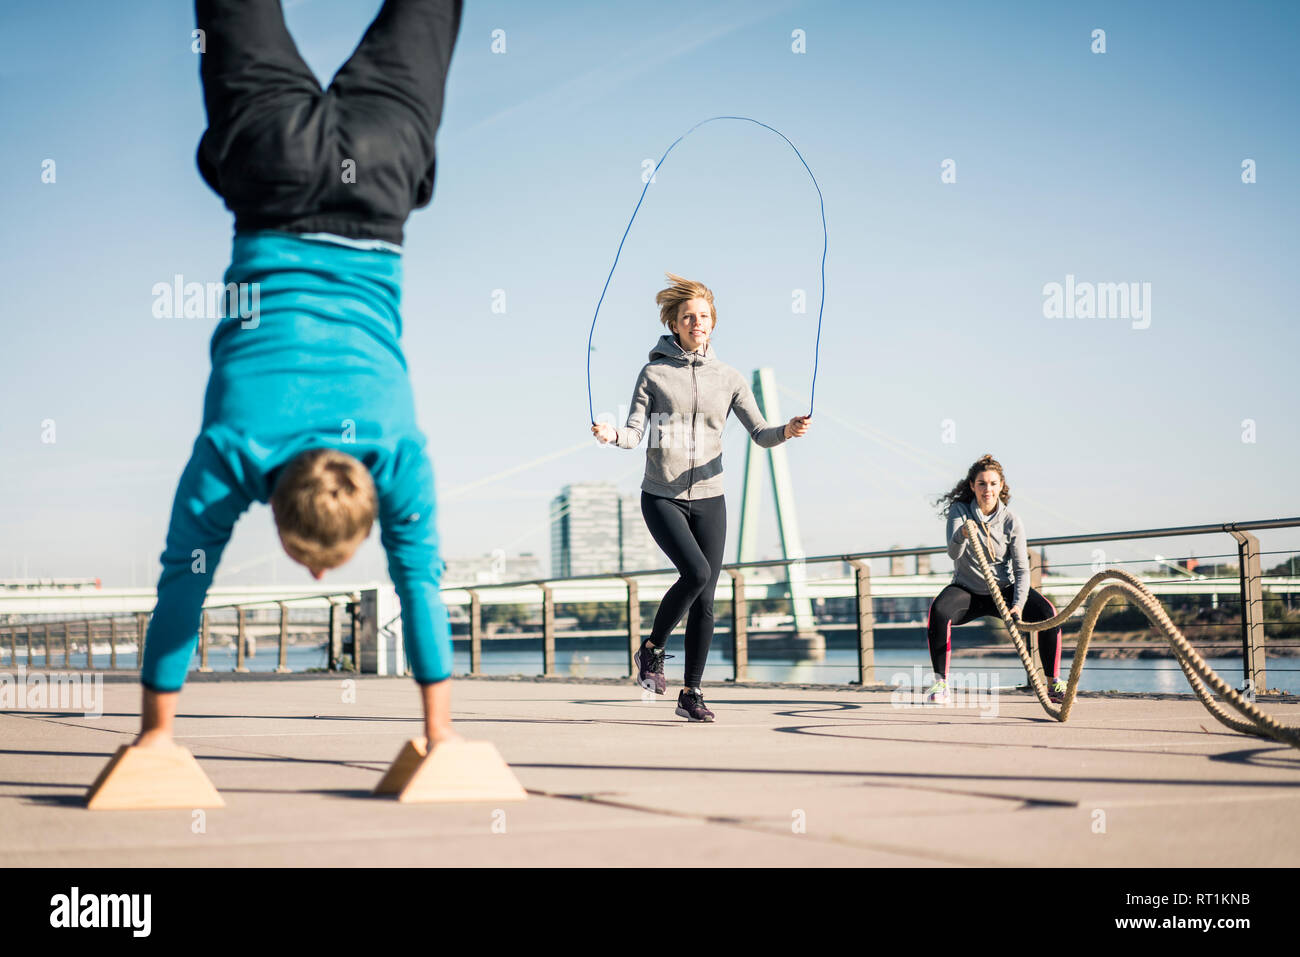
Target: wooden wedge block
<point x="455" y="771"/>
<point x="146" y="779"/>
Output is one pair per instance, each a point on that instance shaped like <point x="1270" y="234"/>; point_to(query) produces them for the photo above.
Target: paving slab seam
<point x="824" y="731"/>
<point x="324" y="838"/>
<point x="753" y="825"/>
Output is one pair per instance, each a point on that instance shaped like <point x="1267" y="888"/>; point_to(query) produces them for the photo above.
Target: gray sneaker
<point x="690" y="704"/>
<point x="649" y="666"/>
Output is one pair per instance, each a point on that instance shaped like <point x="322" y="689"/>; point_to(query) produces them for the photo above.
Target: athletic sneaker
<point x="690" y="704"/>
<point x="1056" y="691"/>
<point x="938" y="693"/>
<point x="650" y="669"/>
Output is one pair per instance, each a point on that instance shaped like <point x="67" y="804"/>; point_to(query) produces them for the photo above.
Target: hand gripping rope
<point x="649" y="179"/>
<point x="1199" y="674"/>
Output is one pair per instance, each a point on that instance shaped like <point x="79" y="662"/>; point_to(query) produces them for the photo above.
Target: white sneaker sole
<point x="682" y="712"/>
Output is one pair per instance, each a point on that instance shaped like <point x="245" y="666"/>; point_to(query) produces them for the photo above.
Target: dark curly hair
<point x="961" y="492"/>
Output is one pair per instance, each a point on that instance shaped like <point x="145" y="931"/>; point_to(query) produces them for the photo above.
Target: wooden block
<point x="146" y="779"/>
<point x="455" y="771"/>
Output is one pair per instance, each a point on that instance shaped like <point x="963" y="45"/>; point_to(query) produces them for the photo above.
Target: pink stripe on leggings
<point x="947" y="651"/>
<point x="1060" y="639"/>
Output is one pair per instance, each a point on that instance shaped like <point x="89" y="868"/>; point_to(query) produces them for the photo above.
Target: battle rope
<point x="1199" y="674"/>
<point x="649" y="179"/>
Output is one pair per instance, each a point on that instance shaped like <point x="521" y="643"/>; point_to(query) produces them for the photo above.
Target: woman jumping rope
<point x="983" y="496"/>
<point x="684" y="395"/>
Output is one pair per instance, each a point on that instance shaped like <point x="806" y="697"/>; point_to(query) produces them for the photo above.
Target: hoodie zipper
<point x="695" y="408"/>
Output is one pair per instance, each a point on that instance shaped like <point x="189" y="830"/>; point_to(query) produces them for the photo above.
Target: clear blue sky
<point x="1115" y="167"/>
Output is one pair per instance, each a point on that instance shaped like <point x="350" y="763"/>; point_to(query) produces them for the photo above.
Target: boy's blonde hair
<point x="679" y="292"/>
<point x="324" y="505"/>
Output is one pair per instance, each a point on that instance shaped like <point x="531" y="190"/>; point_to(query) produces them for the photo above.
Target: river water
<point x="902" y="667"/>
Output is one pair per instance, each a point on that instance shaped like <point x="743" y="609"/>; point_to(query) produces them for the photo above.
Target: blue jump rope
<point x="649" y="179"/>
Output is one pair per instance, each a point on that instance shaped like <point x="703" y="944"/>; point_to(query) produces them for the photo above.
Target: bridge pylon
<point x="787" y="521"/>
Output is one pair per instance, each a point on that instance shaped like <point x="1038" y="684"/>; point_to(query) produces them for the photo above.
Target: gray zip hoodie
<point x="1010" y="554"/>
<point x="683" y="398"/>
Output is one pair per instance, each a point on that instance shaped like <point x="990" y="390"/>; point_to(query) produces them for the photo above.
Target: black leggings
<point x="956" y="606"/>
<point x="353" y="159"/>
<point x="693" y="534"/>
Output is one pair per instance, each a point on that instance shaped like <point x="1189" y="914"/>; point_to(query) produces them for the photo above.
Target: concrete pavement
<point x="787" y="776"/>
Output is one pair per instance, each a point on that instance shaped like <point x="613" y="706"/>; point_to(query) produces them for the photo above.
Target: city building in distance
<point x="594" y="531"/>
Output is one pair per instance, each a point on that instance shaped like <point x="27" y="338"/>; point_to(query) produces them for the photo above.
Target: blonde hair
<point x="324" y="505"/>
<point x="679" y="292"/>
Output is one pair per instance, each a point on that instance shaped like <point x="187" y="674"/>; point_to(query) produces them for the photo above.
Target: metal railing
<point x="361" y="624"/>
<point x="1250" y="583"/>
<point x="80" y="634"/>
